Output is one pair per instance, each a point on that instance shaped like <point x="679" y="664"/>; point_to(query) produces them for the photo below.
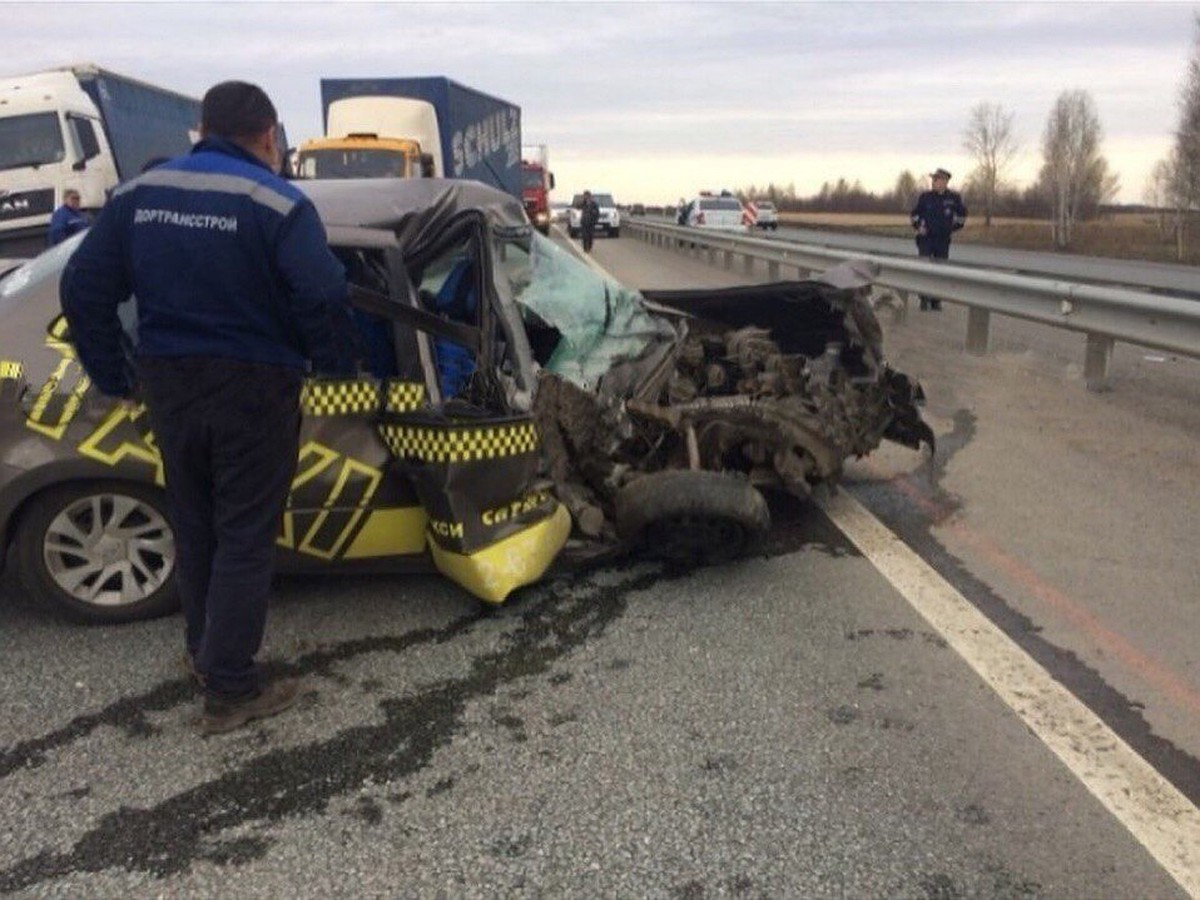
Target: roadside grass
<point x="1119" y="235"/>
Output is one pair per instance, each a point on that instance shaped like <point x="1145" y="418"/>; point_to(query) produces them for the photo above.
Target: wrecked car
<point x="514" y="409"/>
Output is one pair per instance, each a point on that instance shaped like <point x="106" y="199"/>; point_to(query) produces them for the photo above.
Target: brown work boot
<point x="188" y="663"/>
<point x="223" y="714"/>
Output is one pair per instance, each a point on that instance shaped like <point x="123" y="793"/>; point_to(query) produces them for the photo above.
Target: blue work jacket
<point x="65" y="222"/>
<point x="226" y="259"/>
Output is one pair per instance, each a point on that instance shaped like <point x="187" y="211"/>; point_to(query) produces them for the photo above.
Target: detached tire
<point x="100" y="552"/>
<point x="692" y="517"/>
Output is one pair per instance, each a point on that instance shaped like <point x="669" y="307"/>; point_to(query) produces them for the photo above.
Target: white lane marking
<point x="1159" y="817"/>
<point x="1153" y="810"/>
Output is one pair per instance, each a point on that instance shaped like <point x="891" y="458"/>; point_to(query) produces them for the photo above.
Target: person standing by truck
<point x="938" y="214"/>
<point x="238" y="294"/>
<point x="589" y="215"/>
<point x="68" y="219"/>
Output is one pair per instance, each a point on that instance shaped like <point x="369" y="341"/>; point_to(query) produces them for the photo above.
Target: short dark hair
<point x="236" y="111"/>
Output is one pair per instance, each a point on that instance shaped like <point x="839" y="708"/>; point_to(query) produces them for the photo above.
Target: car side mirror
<point x="79" y="165"/>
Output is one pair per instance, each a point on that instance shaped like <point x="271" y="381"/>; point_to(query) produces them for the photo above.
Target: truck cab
<point x="51" y="140"/>
<point x="536" y="185"/>
<point x="83" y="128"/>
<point x="361" y="156"/>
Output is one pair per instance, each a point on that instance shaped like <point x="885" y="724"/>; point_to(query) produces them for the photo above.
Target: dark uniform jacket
<point x="589" y="214"/>
<point x="226" y="259"/>
<point x="941" y="213"/>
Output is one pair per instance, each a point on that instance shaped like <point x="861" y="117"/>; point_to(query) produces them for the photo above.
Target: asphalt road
<point x="1069" y="514"/>
<point x="785" y="726"/>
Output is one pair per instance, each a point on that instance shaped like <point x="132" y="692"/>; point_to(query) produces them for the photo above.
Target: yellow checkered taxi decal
<point x="459" y="444"/>
<point x="404" y="396"/>
<point x="10" y="369"/>
<point x="355" y="397"/>
<point x="339" y="398"/>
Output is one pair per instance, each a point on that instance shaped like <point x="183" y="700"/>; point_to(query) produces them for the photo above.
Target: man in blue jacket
<point x="238" y="296"/>
<point x="938" y="214"/>
<point x="68" y="219"/>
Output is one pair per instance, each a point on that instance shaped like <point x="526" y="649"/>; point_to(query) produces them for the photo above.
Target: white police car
<point x="721" y="212"/>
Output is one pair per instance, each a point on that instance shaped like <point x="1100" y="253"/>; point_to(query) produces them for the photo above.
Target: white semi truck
<point x="79" y="127"/>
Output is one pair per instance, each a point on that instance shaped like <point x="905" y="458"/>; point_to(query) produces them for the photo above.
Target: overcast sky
<point x="653" y="101"/>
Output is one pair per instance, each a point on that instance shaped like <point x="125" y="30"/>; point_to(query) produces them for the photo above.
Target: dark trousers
<point x="933" y="247"/>
<point x="589" y="235"/>
<point x="228" y="432"/>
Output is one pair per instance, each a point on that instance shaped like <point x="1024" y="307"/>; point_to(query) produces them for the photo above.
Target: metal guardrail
<point x="1104" y="314"/>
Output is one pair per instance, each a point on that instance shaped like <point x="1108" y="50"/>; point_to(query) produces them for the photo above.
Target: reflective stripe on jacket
<point x="225" y="258"/>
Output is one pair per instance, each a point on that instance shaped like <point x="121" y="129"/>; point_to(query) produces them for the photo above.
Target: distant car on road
<point x="720" y="212"/>
<point x="610" y="216"/>
<point x="764" y="214"/>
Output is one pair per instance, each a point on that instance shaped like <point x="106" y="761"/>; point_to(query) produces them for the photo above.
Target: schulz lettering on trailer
<point x="487" y="137"/>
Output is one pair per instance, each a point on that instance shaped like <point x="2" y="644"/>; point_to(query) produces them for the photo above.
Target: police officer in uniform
<point x="938" y="214"/>
<point x="589" y="215"/>
<point x="238" y="296"/>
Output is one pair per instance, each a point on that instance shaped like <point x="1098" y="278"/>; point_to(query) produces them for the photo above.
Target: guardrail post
<point x="1095" y="363"/>
<point x="978" y="321"/>
<point x="772" y="271"/>
<point x="728" y="259"/>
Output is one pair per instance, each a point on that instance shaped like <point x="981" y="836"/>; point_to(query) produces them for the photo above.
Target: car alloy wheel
<point x="100" y="552"/>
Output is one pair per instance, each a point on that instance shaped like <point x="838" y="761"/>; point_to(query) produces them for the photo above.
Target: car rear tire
<point x="573" y="232"/>
<point x="100" y="552"/>
<point x="692" y="517"/>
<point x="616" y="232"/>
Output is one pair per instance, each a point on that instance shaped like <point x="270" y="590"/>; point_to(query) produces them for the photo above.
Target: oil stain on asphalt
<point x="165" y="839"/>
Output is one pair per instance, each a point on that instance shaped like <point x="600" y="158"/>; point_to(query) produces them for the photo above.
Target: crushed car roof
<point x="409" y="207"/>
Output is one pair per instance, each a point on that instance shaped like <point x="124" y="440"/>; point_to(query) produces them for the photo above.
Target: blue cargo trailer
<point x="478" y="135"/>
<point x="142" y="122"/>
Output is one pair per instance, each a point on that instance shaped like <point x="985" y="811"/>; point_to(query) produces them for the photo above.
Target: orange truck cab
<point x="361" y="156"/>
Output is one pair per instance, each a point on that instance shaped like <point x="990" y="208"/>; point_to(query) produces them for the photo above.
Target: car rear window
<point x="726" y="203"/>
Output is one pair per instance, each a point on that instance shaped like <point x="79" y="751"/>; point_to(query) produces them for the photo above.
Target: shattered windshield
<point x="598" y="320"/>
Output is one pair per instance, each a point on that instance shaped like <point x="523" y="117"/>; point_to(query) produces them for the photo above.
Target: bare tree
<point x="990" y="141"/>
<point x="906" y="190"/>
<point x="1157" y="193"/>
<point x="1074" y="173"/>
<point x="1183" y="166"/>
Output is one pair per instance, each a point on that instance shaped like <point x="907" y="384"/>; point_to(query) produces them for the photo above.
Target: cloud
<point x="674" y="90"/>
